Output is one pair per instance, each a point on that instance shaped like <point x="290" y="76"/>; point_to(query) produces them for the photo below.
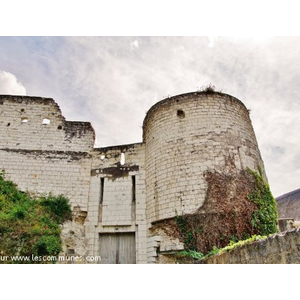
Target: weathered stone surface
<point x="73" y="240"/>
<point x="180" y="150"/>
<point x="22" y="126"/>
<point x="281" y="248"/>
<point x="78" y="215"/>
<point x="285" y="224"/>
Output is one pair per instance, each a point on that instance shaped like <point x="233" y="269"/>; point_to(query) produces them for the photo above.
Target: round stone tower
<point x="186" y="136"/>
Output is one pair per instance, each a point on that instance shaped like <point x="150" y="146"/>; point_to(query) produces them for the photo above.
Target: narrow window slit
<point x="133" y="189"/>
<point x="133" y="199"/>
<point x="101" y="189"/>
<point x="101" y="200"/>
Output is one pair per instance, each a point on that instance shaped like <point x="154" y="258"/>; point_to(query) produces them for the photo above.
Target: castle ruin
<point x="122" y="196"/>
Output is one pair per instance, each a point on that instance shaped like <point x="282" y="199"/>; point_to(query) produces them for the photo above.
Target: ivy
<point x="261" y="219"/>
<point x="189" y="236"/>
<point x="232" y="245"/>
<point x="265" y="218"/>
<point x="192" y="254"/>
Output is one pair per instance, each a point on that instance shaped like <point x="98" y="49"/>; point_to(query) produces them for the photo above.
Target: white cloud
<point x="10" y="85"/>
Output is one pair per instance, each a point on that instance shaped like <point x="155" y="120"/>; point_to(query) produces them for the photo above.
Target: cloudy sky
<point x="113" y="81"/>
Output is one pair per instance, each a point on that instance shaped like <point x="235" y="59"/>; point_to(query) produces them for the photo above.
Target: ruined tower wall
<point x="187" y="135"/>
<point x="36" y="123"/>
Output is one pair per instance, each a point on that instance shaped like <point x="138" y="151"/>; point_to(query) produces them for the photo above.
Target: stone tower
<point x="187" y="136"/>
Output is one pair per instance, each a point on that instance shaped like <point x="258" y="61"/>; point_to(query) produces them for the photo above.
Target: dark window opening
<point x="180" y="113"/>
<point x="133" y="188"/>
<point x="101" y="189"/>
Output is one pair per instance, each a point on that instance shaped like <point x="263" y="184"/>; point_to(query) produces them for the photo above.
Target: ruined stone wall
<point x="36" y="123"/>
<point x="58" y="172"/>
<point x="187" y="135"/>
<point x="43" y="153"/>
<point x="282" y="248"/>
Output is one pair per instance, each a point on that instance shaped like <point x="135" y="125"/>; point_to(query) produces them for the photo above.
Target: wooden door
<point x="117" y="248"/>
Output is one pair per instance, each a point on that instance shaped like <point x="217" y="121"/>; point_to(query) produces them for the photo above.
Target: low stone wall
<point x="282" y="248"/>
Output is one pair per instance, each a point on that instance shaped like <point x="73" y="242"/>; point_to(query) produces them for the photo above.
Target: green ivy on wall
<point x="265" y="219"/>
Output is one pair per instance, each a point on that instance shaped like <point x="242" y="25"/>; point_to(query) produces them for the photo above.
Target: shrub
<point x="30" y="226"/>
<point x="58" y="207"/>
<point x="47" y="245"/>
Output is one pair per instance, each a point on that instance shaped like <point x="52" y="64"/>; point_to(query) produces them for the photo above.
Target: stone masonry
<point x="126" y="189"/>
<point x="282" y="248"/>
